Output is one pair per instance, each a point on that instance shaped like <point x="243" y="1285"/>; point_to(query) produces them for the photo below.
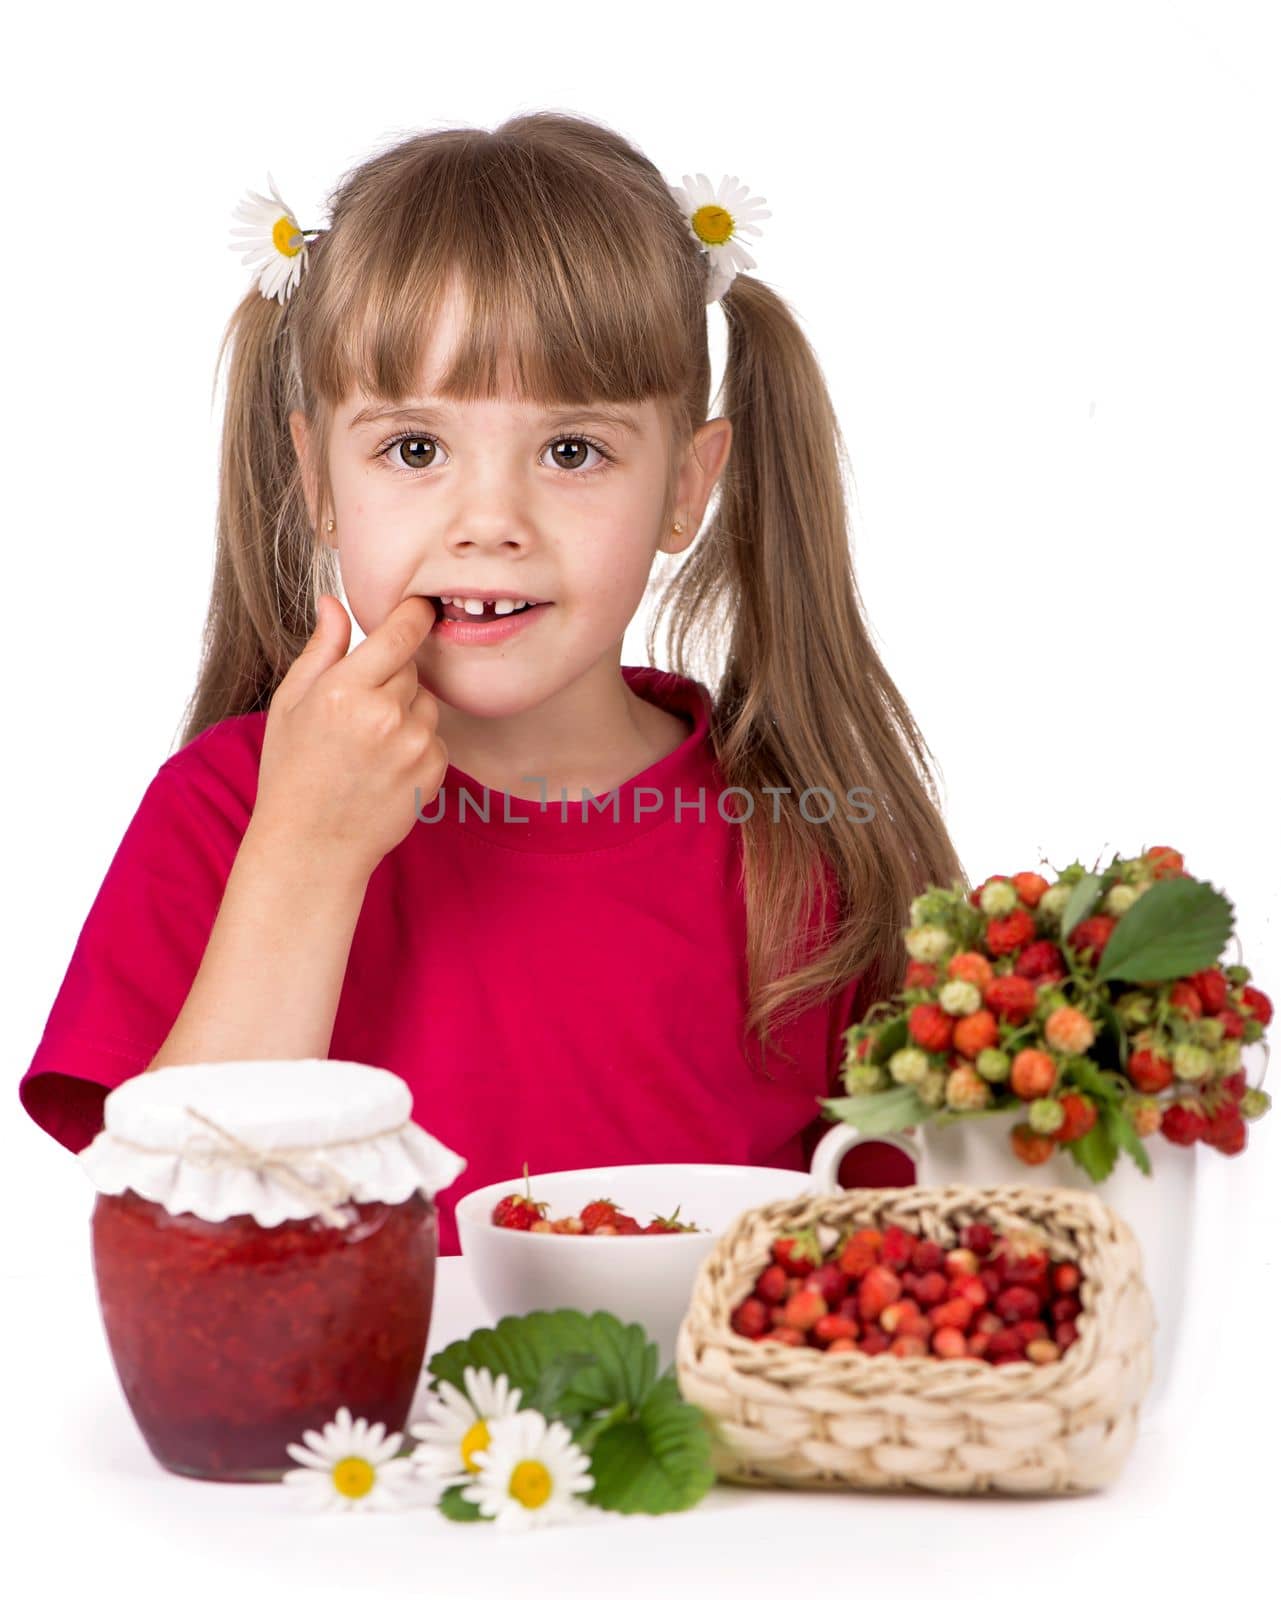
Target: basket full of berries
<point x="962" y="1339"/>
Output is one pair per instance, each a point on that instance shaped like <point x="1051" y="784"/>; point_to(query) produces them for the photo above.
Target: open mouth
<point x="451" y="612"/>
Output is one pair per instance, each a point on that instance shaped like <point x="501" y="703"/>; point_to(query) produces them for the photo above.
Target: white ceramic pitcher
<point x="1158" y="1207"/>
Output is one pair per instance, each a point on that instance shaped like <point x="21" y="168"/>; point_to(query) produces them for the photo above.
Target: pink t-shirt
<point x="565" y="988"/>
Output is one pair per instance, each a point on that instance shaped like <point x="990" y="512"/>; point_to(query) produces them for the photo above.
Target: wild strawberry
<point x="1031" y="1147"/>
<point x="896" y="1247"/>
<point x="804" y="1309"/>
<point x="931" y="1288"/>
<point x="907" y="1345"/>
<point x="977" y="1236"/>
<point x="519" y="1211"/>
<point x="1257" y="1004"/>
<point x="606" y="1230"/>
<point x="1233" y="1023"/>
<point x="829" y="1281"/>
<point x="848" y="1307"/>
<point x="1090" y="936"/>
<point x="597" y="1213"/>
<point x="927" y="1255"/>
<point x="968" y="1286"/>
<point x="797" y="1253"/>
<point x="1211" y="984"/>
<point x="920" y="975"/>
<point x="1181" y="1124"/>
<point x="976" y="1032"/>
<point x="976" y="1344"/>
<point x="874" y="1342"/>
<point x="1184" y="997"/>
<point x="751" y="1318"/>
<point x="1015" y="1303"/>
<point x="1040" y="963"/>
<point x="993" y="1066"/>
<point x="949" y="1343"/>
<point x="930" y="1026"/>
<point x="1065" y="1334"/>
<point x="1007" y="935"/>
<point x="996" y="895"/>
<point x="987" y="1321"/>
<point x="861" y="1251"/>
<point x="1042" y="1351"/>
<point x="961" y="1262"/>
<point x="1025" y="1259"/>
<point x="567" y="1225"/>
<point x="1046" y="1116"/>
<point x="1229" y="1135"/>
<point x="771" y="1284"/>
<point x="1032" y="1074"/>
<point x="1029" y="1328"/>
<point x="1029" y="886"/>
<point x="991" y="1279"/>
<point x="626" y="1224"/>
<point x="1165" y="862"/>
<point x="1012" y="998"/>
<point x="1144" y="1113"/>
<point x="783" y="1335"/>
<point x="542" y="1226"/>
<point x="971" y="966"/>
<point x="831" y="1327"/>
<point x="1235" y="1085"/>
<point x="1079" y="1116"/>
<point x="965" y="1090"/>
<point x="880" y="1287"/>
<point x="1066" y="1308"/>
<point x="669" y="1225"/>
<point x="1066" y="1276"/>
<point x="1069" y="1029"/>
<point x="1149" y="1071"/>
<point x="956" y="1313"/>
<point x="901" y="1316"/>
<point x="1005" y="1343"/>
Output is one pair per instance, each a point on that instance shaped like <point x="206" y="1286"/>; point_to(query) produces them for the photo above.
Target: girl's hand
<point x="347" y="739"/>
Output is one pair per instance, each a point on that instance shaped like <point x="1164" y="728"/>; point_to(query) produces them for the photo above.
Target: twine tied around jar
<point x="281" y="1162"/>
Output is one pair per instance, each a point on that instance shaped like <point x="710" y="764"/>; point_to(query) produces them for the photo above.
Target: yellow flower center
<point x="712" y="224"/>
<point x="286" y="237"/>
<point x="530" y="1483"/>
<point x="476" y="1438"/>
<point x="353" y="1476"/>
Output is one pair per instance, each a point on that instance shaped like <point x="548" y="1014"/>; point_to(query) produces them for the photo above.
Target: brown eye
<point x="423" y="451"/>
<point x="570" y="452"/>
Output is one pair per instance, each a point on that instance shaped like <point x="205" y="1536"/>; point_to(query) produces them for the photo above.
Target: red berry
<point x="1166" y="862"/>
<point x="751" y="1319"/>
<point x="949" y="1343"/>
<point x="1066" y="1276"/>
<point x="1011" y="997"/>
<point x="598" y="1213"/>
<point x="831" y="1327"/>
<point x="861" y="1251"/>
<point x="1184" y="997"/>
<point x="1090" y="936"/>
<point x="920" y="975"/>
<point x="1065" y="1334"/>
<point x="880" y="1288"/>
<point x="1181" y="1124"/>
<point x="783" y="1335"/>
<point x="874" y="1342"/>
<point x="897" y="1247"/>
<point x="1029" y="1146"/>
<point x="930" y="1026"/>
<point x="797" y="1253"/>
<point x="931" y="1288"/>
<point x="1257" y="1004"/>
<point x="1017" y="1302"/>
<point x="977" y="1236"/>
<point x="771" y="1285"/>
<point x="1148" y="1071"/>
<point x="1005" y="935"/>
<point x="906" y="1345"/>
<point x="1212" y="985"/>
<point x="1005" y="1343"/>
<point x="1065" y="1309"/>
<point x="804" y="1309"/>
<point x="955" y="1313"/>
<point x="1079" y="1116"/>
<point x="829" y="1281"/>
<point x="927" y="1256"/>
<point x="1041" y="962"/>
<point x="1032" y="1074"/>
<point x="519" y="1211"/>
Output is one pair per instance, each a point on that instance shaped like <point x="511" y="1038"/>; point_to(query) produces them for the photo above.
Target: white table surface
<point x="97" y="1515"/>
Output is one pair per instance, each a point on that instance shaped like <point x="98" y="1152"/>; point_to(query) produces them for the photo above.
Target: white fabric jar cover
<point x="274" y="1140"/>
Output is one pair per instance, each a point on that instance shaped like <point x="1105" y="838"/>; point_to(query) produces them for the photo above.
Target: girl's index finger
<point x="391" y="644"/>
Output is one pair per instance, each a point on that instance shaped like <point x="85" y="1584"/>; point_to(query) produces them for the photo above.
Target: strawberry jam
<point x="229" y="1338"/>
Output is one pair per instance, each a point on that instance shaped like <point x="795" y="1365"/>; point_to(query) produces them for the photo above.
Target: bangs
<point x="573" y="287"/>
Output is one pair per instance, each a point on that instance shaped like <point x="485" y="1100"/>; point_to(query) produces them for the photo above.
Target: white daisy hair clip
<point x="716" y="218"/>
<point x="271" y="242"/>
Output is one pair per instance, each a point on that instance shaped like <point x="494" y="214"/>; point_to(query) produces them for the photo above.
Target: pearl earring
<point x="329" y="526"/>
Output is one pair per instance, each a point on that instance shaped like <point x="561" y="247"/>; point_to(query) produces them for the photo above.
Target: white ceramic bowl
<point x="647" y="1280"/>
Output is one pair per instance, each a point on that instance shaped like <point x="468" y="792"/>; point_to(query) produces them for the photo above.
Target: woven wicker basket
<point x="783" y="1414"/>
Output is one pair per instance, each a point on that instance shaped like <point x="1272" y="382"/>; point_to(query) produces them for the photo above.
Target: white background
<point x="1037" y="250"/>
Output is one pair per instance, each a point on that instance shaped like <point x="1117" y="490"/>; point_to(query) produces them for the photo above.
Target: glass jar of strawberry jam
<point x="264" y="1245"/>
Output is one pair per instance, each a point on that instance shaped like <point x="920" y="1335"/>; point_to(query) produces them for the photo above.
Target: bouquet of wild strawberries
<point x="1095" y="1004"/>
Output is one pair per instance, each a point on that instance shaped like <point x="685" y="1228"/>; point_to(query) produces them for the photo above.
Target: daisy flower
<point x="530" y="1473"/>
<point x="717" y="217"/>
<point x="349" y="1467"/>
<point x="456" y="1425"/>
<point x="271" y="242"/>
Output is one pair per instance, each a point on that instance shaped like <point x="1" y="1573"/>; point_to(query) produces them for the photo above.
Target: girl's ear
<point x="298" y="432"/>
<point x="708" y="452"/>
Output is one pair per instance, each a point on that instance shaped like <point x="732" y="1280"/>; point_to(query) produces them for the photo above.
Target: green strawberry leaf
<point x="1126" y="1136"/>
<point x="1082" y="1073"/>
<point x="452" y="1505"/>
<point x="886" y="1111"/>
<point x="892" y="1037"/>
<point x="1085" y="891"/>
<point x="1175" y="928"/>
<point x="1094" y="1152"/>
<point x="658" y="1461"/>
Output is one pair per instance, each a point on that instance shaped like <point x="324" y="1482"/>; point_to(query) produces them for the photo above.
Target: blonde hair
<point x="579" y="269"/>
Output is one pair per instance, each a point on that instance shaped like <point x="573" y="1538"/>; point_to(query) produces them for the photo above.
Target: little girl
<point x="591" y="913"/>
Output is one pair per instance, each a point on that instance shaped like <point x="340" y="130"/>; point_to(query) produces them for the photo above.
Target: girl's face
<point x="507" y="498"/>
